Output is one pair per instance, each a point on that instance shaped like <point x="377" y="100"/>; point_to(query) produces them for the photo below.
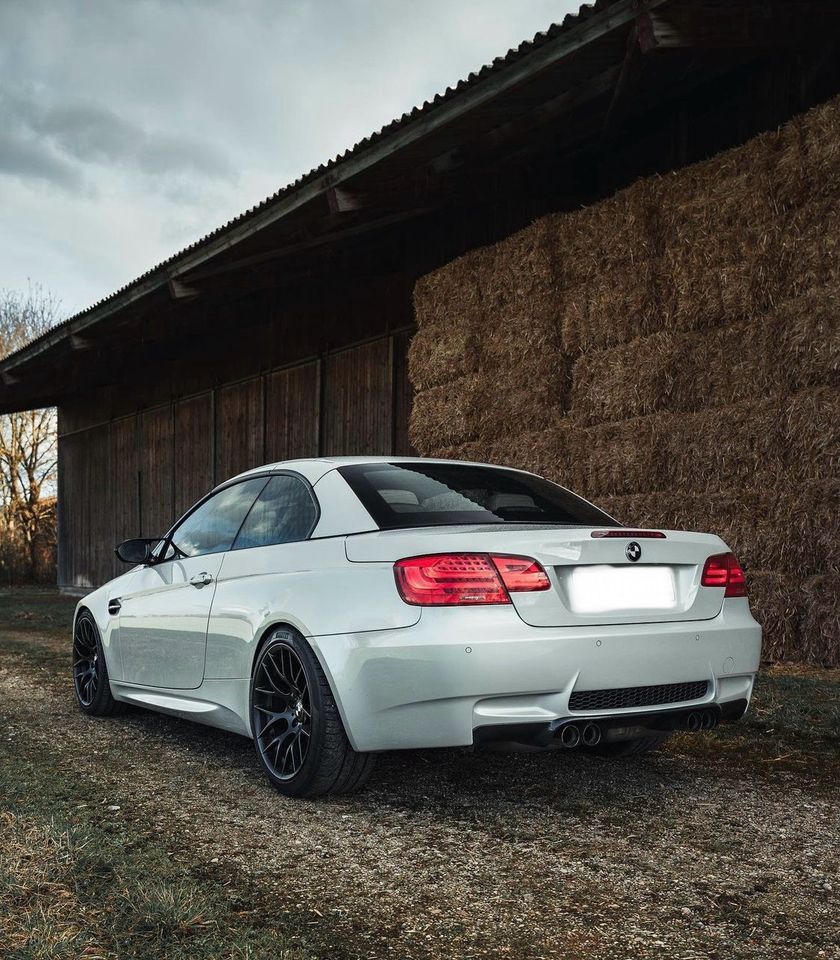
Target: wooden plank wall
<point x="240" y="422"/>
<point x="193" y="463"/>
<point x="135" y="475"/>
<point x="358" y="400"/>
<point x="292" y="412"/>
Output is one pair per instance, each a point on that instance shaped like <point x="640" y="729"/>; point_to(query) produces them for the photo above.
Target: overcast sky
<point x="130" y="128"/>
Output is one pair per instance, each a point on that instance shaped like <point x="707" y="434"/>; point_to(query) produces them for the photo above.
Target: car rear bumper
<point x="458" y="670"/>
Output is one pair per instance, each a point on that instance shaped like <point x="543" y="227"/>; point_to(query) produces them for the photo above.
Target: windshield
<point x="399" y="495"/>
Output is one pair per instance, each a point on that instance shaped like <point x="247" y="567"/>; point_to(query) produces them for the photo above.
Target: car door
<point x="263" y="571"/>
<point x="163" y="618"/>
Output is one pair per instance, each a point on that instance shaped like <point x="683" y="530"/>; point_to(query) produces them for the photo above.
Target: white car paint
<point x="407" y="676"/>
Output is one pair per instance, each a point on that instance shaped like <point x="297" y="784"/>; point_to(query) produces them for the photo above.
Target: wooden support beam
<point x="341" y="200"/>
<point x="179" y="290"/>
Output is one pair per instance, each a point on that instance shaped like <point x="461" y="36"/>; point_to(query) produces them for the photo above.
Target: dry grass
<point x="71" y="891"/>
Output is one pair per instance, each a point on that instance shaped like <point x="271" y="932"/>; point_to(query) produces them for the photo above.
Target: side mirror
<point x="138" y="550"/>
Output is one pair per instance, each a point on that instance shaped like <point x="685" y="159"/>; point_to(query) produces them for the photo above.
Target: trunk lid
<point x="593" y="581"/>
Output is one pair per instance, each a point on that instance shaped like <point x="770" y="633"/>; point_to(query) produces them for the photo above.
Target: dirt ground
<point x="144" y="836"/>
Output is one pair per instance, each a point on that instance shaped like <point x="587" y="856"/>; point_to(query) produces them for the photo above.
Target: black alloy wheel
<point x="299" y="737"/>
<point x="282" y="711"/>
<point x="90" y="672"/>
<point x="85" y="661"/>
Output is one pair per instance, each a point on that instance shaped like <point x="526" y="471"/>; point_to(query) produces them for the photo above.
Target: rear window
<point x="399" y="495"/>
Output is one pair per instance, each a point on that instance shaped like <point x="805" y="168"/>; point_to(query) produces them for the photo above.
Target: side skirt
<point x="216" y="703"/>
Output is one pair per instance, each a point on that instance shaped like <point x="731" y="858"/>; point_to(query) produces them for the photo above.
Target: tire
<point x="628" y="748"/>
<point x="90" y="672"/>
<point x="298" y="733"/>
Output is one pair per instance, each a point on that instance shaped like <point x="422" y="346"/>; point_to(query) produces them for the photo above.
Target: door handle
<point x="114" y="606"/>
<point x="201" y="579"/>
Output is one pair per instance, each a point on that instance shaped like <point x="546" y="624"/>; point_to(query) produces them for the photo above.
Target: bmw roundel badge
<point x="633" y="551"/>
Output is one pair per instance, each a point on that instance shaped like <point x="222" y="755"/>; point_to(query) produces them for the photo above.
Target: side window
<point x="212" y="527"/>
<point x="284" y="512"/>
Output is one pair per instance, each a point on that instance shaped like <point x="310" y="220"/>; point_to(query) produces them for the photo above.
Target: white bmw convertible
<point x="333" y="608"/>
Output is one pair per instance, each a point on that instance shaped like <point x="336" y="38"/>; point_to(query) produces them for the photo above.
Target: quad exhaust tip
<point x="701" y="720"/>
<point x="572" y="735"/>
<point x="591" y="735"/>
<point x="569" y="736"/>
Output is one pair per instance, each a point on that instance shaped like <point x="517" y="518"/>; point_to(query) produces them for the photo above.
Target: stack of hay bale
<point x="672" y="353"/>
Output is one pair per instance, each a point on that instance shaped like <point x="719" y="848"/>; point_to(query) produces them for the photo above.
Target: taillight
<point x="461" y="579"/>
<point x="723" y="570"/>
<point x="521" y="574"/>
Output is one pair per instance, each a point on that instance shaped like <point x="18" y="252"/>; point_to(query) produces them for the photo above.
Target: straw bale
<point x="682" y="452"/>
<point x="789" y="529"/>
<point x="806" y="336"/>
<point x="619" y="230"/>
<point x="808" y="159"/>
<point x="515" y="399"/>
<point x="521" y="269"/>
<point x="809" y="254"/>
<point x="721" y="449"/>
<point x="616" y="458"/>
<point x="548" y="452"/>
<point x="819" y="628"/>
<point x="452" y="294"/>
<point x="775" y="601"/>
<point x="440" y="353"/>
<point x="798" y="529"/>
<point x="789" y="440"/>
<point x="472" y="451"/>
<point x="619" y="305"/>
<point x="723" y="256"/>
<point x="527" y="332"/>
<point x="674" y="371"/>
<point x="445" y="415"/>
<point x="811" y="440"/>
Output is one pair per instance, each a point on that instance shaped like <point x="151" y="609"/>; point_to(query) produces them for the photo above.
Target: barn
<point x="610" y="255"/>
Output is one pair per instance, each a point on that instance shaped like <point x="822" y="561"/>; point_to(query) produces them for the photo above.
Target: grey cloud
<point x="93" y="133"/>
<point x="28" y="159"/>
<point x="58" y="141"/>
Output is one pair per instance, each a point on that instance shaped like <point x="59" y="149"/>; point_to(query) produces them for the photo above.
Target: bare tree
<point x="28" y="443"/>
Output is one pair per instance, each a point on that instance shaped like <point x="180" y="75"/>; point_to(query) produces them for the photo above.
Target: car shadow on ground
<point x="454" y="783"/>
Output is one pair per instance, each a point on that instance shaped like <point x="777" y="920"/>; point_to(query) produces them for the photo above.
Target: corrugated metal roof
<point x="498" y="65"/>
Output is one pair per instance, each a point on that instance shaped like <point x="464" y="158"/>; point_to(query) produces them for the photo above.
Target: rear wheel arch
<point x="331" y="764"/>
<point x="266" y="634"/>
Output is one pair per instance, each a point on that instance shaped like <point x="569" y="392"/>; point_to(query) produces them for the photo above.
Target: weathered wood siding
<point x="157" y="458"/>
<point x="239" y="427"/>
<point x="292" y="411"/>
<point x="358" y="400"/>
<point x="134" y="475"/>
<point x="193" y="465"/>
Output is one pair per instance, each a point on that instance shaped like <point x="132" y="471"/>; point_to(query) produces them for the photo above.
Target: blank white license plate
<point x="600" y="589"/>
